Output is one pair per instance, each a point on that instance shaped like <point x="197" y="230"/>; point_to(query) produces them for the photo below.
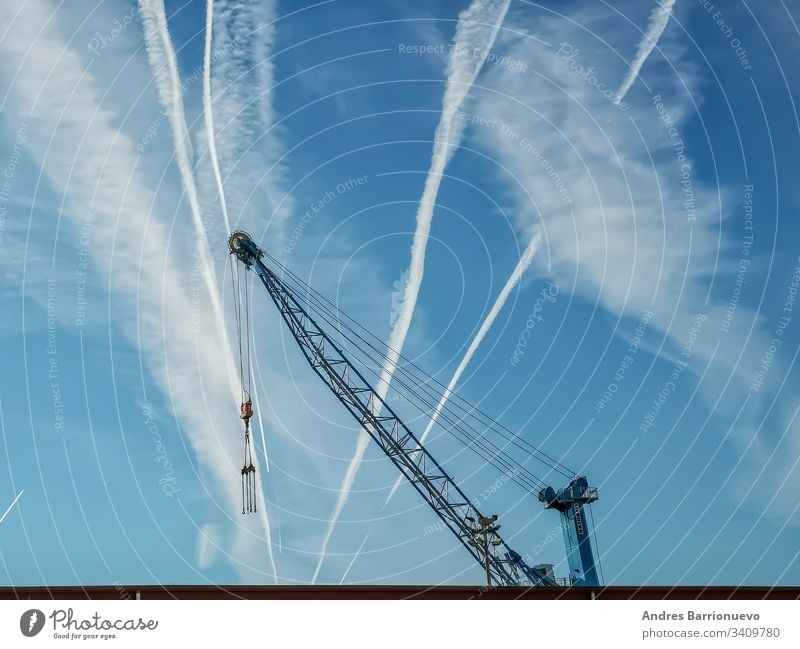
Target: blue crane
<point x="478" y="534"/>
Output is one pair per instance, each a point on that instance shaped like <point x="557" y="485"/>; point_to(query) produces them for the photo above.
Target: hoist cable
<point x="248" y="361"/>
<point x="236" y="306"/>
<point x="454" y="397"/>
<point x="497" y="457"/>
<point x="413" y="389"/>
<point x="472" y="441"/>
<point x="323" y="305"/>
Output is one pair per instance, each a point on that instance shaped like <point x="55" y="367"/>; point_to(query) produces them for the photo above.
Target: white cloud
<point x="75" y="139"/>
<point x="629" y="221"/>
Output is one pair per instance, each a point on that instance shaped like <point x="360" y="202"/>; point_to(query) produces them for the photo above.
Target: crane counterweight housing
<point x="477" y="533"/>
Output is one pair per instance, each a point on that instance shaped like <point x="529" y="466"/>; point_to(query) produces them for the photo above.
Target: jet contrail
<point x="11" y="506"/>
<point x="209" y="115"/>
<point x="476" y="32"/>
<point x="516" y="275"/>
<point x="353" y="560"/>
<point x="161" y="54"/>
<point x="658" y="22"/>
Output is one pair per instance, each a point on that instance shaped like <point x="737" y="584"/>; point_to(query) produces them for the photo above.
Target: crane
<point x="478" y="534"/>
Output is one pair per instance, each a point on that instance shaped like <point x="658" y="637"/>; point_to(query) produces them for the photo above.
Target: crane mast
<point x="503" y="566"/>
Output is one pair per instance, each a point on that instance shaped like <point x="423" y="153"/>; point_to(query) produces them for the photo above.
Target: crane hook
<point x="248" y="469"/>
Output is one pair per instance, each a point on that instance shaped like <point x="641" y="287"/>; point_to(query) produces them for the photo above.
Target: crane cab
<point x="570" y="502"/>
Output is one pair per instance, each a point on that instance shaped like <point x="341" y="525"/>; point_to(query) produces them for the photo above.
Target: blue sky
<point x="667" y="228"/>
